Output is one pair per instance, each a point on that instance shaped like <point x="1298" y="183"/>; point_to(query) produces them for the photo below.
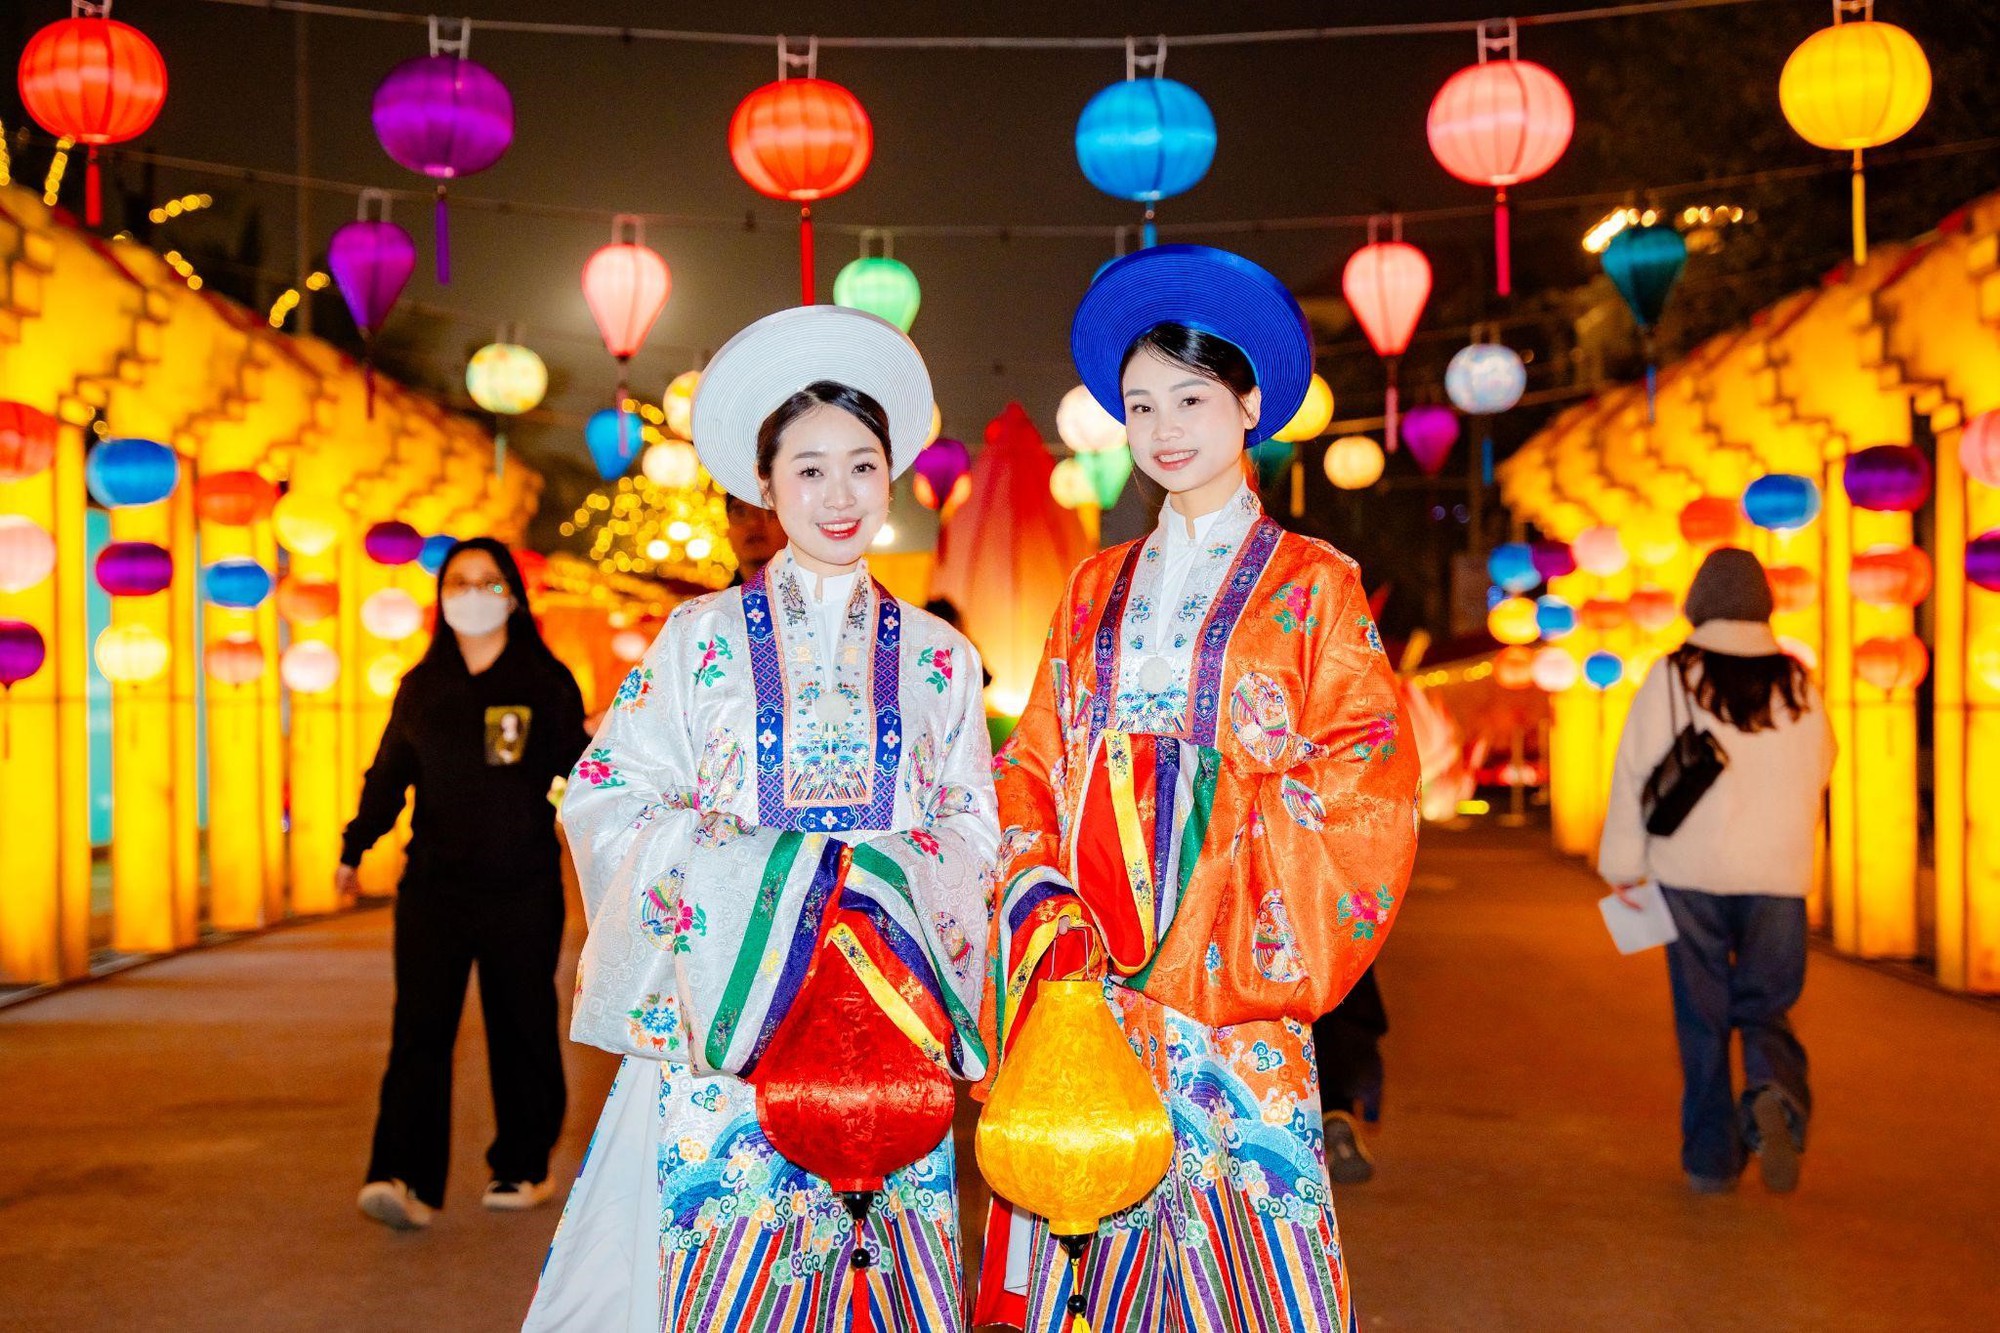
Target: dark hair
<point x="521" y="627"/>
<point x="820" y="393"/>
<point x="946" y="610"/>
<point x="1204" y="353"/>
<point x="1743" y="691"/>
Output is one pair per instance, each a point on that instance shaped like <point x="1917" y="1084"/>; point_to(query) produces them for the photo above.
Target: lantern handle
<point x="1842" y="10"/>
<point x="628" y="229"/>
<point x="449" y="41"/>
<point x="1153" y="60"/>
<point x="872" y="235"/>
<point x="1501" y="37"/>
<point x="85" y="9"/>
<point x="381" y="200"/>
<point x="806" y="59"/>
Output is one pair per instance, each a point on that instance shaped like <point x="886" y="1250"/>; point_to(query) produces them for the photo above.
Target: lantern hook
<point x="870" y="236"/>
<point x="1501" y="37"/>
<point x="379" y="198"/>
<point x="1842" y="11"/>
<point x="805" y="58"/>
<point x="628" y="228"/>
<point x="446" y="40"/>
<point x="1153" y="59"/>
<point x="85" y="9"/>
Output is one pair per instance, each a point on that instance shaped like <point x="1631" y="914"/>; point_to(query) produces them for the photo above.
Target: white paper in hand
<point x="1648" y="926"/>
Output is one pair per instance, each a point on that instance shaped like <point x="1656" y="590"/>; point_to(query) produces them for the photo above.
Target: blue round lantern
<point x="240" y="585"/>
<point x="614" y="440"/>
<point x="1604" y="669"/>
<point x="121" y="473"/>
<point x="1485" y="378"/>
<point x="1781" y="502"/>
<point x="1512" y="566"/>
<point x="1145" y="139"/>
<point x="1888" y="478"/>
<point x="435" y="549"/>
<point x="1555" y="618"/>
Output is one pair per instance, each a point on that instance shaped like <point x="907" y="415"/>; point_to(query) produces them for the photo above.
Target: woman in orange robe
<point x="1210" y="800"/>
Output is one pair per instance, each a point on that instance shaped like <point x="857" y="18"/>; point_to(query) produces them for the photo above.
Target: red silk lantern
<point x="27" y="441"/>
<point x="626" y="286"/>
<point x="1600" y="613"/>
<point x="95" y="80"/>
<point x="1652" y="609"/>
<point x="1499" y="123"/>
<point x="234" y="499"/>
<point x="1711" y="521"/>
<point x="1792" y="588"/>
<point x="802" y="140"/>
<point x="307" y="601"/>
<point x="1891" y="576"/>
<point x="1386" y="284"/>
<point x="1899" y="662"/>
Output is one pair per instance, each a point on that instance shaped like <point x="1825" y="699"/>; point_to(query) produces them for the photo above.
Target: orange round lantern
<point x="27" y="441"/>
<point x="1601" y="614"/>
<point x="1652" y="609"/>
<point x="234" y="499"/>
<point x="1514" y="668"/>
<point x="236" y="660"/>
<point x="307" y="601"/>
<point x="94" y="80"/>
<point x="1891" y="576"/>
<point x="801" y="140"/>
<point x="1899" y="662"/>
<point x="1710" y="521"/>
<point x="1792" y="588"/>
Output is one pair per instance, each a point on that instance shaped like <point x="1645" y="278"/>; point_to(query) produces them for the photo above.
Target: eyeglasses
<point x="497" y="587"/>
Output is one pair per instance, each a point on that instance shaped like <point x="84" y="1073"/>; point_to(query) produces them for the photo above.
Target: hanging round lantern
<point x="672" y="464"/>
<point x="883" y="287"/>
<point x="1514" y="668"/>
<point x="1070" y="485"/>
<point x="507" y="379"/>
<point x="237" y="584"/>
<point x="1430" y="431"/>
<point x="1386" y="284"/>
<point x="1499" y="123"/>
<point x="613" y="439"/>
<point x="1514" y="620"/>
<point x="1603" y="670"/>
<point x="1891" y="576"/>
<point x="22" y="652"/>
<point x="1554" y="670"/>
<point x="1485" y="378"/>
<point x="391" y="614"/>
<point x="1552" y="559"/>
<point x="309" y="667"/>
<point x="27" y="441"/>
<point x="122" y="474"/>
<point x="132" y="654"/>
<point x="371" y="260"/>
<point x="384" y="674"/>
<point x="1781" y="502"/>
<point x="1892" y="662"/>
<point x="93" y="80"/>
<point x="1604" y="614"/>
<point x="1979" y="449"/>
<point x="677" y="403"/>
<point x="1710" y="521"/>
<point x="236" y="660"/>
<point x="628" y="645"/>
<point x="1982" y="561"/>
<point x="308" y="525"/>
<point x="1854" y="86"/>
<point x="1085" y="426"/>
<point x="801" y="140"/>
<point x="943" y="474"/>
<point x="308" y="601"/>
<point x="134" y="569"/>
<point x="1273" y="458"/>
<point x="392" y="542"/>
<point x="1600" y="551"/>
<point x="1354" y="462"/>
<point x="1888" y="478"/>
<point x="27" y="553"/>
<point x="626" y="286"/>
<point x="234" y="499"/>
<point x="1652" y="609"/>
<point x="1792" y="588"/>
<point x="1554" y="617"/>
<point x="1512" y="567"/>
<point x="445" y="116"/>
<point x="1145" y="139"/>
<point x="1107" y="471"/>
<point x="1984" y="657"/>
<point x="1312" y="418"/>
<point x="437" y="549"/>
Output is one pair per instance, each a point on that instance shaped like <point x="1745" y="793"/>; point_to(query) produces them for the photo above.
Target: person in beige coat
<point x="1736" y="871"/>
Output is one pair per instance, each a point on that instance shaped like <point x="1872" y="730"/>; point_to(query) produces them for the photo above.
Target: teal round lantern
<point x="1781" y="502"/>
<point x="124" y="473"/>
<point x="881" y="286"/>
<point x="613" y="438"/>
<point x="1644" y="263"/>
<point x="1604" y="670"/>
<point x="1145" y="139"/>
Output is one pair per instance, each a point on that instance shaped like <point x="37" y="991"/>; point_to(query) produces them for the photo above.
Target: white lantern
<point x="671" y="463"/>
<point x="1354" y="462"/>
<point x="391" y="614"/>
<point x="1599" y="550"/>
<point x="628" y="645"/>
<point x="309" y="667"/>
<point x="1553" y="670"/>
<point x="1085" y="426"/>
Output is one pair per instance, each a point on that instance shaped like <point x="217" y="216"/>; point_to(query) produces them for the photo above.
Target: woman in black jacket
<point x="481" y="727"/>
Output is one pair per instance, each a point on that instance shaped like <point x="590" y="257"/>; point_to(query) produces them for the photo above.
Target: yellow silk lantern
<point x="678" y="403"/>
<point x="1855" y="86"/>
<point x="132" y="654"/>
<point x="306" y="524"/>
<point x="1074" y="1129"/>
<point x="1070" y="485"/>
<point x="937" y="425"/>
<point x="1354" y="462"/>
<point x="1513" y="621"/>
<point x="1313" y="416"/>
<point x="506" y="378"/>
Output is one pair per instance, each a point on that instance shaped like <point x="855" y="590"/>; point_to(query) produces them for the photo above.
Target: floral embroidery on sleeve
<point x="714" y="652"/>
<point x="1302" y="804"/>
<point x="633" y="692"/>
<point x="1379" y="741"/>
<point x="1294" y="611"/>
<point x="1366" y="911"/>
<point x="1366" y="624"/>
<point x="597" y="770"/>
<point x="937" y="664"/>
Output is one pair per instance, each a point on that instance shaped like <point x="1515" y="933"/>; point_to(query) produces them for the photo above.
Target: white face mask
<point x="477" y="612"/>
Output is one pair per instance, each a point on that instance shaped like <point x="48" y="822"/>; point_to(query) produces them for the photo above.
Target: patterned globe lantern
<point x="95" y="81"/>
<point x="1512" y="566"/>
<point x="672" y="464"/>
<point x="27" y="441"/>
<point x="445" y="116"/>
<point x="1792" y="588"/>
<point x="237" y="660"/>
<point x="507" y="379"/>
<point x="1145" y="140"/>
<point x="1892" y="662"/>
<point x="1781" y="502"/>
<point x="1309" y="422"/>
<point x="132" y="654"/>
<point x="1555" y="618"/>
<point x="134" y="569"/>
<point x="1085" y="426"/>
<point x="1603" y="670"/>
<point x="1430" y="431"/>
<point x="1979" y="449"/>
<point x="1710" y="521"/>
<point x="801" y="140"/>
<point x="883" y="286"/>
<point x="123" y="474"/>
<point x="309" y="667"/>
<point x="1484" y="379"/>
<point x="234" y="499"/>
<point x="1554" y="670"/>
<point x="943" y="474"/>
<point x="22" y="652"/>
<point x="238" y="584"/>
<point x="1354" y="462"/>
<point x="1891" y="576"/>
<point x="27" y="553"/>
<point x="392" y="543"/>
<point x="1552" y="559"/>
<point x="1888" y="478"/>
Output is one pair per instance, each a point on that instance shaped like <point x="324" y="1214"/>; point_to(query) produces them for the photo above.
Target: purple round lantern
<point x="1430" y="432"/>
<point x="939" y="467"/>
<point x="1982" y="560"/>
<point x="134" y="569"/>
<point x="22" y="652"/>
<point x="1552" y="559"/>
<point x="1888" y="478"/>
<point x="392" y="543"/>
<point x="445" y="116"/>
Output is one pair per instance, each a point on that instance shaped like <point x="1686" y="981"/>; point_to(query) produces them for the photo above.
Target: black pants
<point x="1347" y="1048"/>
<point x="514" y="932"/>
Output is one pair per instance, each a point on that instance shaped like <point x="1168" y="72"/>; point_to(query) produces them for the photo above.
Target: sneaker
<point x="517" y="1196"/>
<point x="391" y="1203"/>
<point x="1711" y="1184"/>
<point x="1347" y="1161"/>
<point x="1777" y="1154"/>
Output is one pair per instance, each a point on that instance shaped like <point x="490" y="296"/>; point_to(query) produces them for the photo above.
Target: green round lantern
<point x="881" y="286"/>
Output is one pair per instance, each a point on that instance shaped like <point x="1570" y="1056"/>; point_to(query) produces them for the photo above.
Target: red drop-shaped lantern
<point x="626" y="285"/>
<point x="1498" y="123"/>
<point x="802" y="140"/>
<point x="95" y="80"/>
<point x="1386" y="284"/>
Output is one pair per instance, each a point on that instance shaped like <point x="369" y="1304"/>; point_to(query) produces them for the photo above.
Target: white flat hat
<point x="779" y="355"/>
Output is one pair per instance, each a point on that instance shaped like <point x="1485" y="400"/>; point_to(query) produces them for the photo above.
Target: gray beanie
<point x="1730" y="585"/>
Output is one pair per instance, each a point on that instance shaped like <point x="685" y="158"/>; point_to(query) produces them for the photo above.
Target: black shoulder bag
<point x="1688" y="771"/>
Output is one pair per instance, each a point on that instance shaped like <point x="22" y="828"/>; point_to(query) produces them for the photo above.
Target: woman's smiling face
<point x="1186" y="429"/>
<point x="829" y="486"/>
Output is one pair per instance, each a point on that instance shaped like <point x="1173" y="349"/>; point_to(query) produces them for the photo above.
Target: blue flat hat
<point x="1206" y="289"/>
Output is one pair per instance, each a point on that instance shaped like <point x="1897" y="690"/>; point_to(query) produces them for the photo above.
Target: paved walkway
<point x="180" y="1145"/>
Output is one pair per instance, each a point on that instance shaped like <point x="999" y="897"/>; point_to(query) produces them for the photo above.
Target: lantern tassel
<point x="499" y="454"/>
<point x="1391" y="404"/>
<point x="1503" y="246"/>
<point x="1298" y="490"/>
<point x="368" y="374"/>
<point x="93" y="191"/>
<point x="1860" y="213"/>
<point x="441" y="230"/>
<point x="857" y="1203"/>
<point x="1073" y="1246"/>
<point x="805" y="254"/>
<point x="1652" y="375"/>
<point x="1149" y="233"/>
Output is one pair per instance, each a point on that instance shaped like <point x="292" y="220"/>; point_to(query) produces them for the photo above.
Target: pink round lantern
<point x="27" y="553"/>
<point x="628" y="645"/>
<point x="391" y="614"/>
<point x="1979" y="449"/>
<point x="1600" y="551"/>
<point x="134" y="569"/>
<point x="309" y="667"/>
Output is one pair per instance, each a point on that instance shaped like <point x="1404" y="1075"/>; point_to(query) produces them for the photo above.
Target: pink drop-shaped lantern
<point x="1386" y="284"/>
<point x="626" y="285"/>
